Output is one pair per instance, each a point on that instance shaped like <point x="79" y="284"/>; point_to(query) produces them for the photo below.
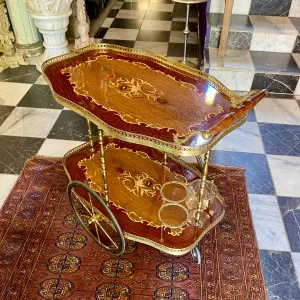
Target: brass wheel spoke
<point x="97" y="232"/>
<point x="84" y="205"/>
<point x="107" y="235"/>
<point x="90" y="199"/>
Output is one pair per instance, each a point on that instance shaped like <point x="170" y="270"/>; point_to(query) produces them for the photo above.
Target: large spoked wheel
<point x="196" y="255"/>
<point x="103" y="228"/>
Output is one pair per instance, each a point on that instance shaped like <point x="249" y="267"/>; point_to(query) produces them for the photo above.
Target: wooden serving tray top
<point x="135" y="174"/>
<point x="147" y="99"/>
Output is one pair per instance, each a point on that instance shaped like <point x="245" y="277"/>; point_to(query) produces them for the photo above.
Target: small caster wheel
<point x="196" y="255"/>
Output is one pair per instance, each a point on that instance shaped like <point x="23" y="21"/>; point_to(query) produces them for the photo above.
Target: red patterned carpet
<point x="44" y="254"/>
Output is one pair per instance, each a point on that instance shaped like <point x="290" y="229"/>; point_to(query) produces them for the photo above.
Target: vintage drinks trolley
<point x="128" y="181"/>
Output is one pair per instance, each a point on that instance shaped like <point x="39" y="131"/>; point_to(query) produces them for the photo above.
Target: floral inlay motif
<point x="139" y="184"/>
<point x="134" y="88"/>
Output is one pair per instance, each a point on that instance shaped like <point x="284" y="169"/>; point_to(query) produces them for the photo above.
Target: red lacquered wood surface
<point x="147" y="99"/>
<point x="137" y="212"/>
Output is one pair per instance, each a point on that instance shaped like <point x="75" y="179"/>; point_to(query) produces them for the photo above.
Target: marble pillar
<point x="26" y="33"/>
<point x="51" y="17"/>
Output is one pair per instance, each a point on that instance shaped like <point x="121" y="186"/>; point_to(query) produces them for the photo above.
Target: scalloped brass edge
<point x="161" y="60"/>
<point x="164" y="146"/>
<point x="132" y="237"/>
<point x="152" y="142"/>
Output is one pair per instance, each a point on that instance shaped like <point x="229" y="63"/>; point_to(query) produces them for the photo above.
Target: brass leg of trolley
<point x="202" y="186"/>
<point x="103" y="166"/>
<point x="90" y="134"/>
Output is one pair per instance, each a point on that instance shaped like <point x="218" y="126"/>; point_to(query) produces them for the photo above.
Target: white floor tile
<point x="268" y="224"/>
<point x="244" y="139"/>
<point x="30" y="122"/>
<point x="57" y="148"/>
<point x="285" y="171"/>
<point x="161" y="7"/>
<point x="7" y="181"/>
<point x="11" y="93"/>
<point x="236" y="80"/>
<point x="295" y="12"/>
<point x="278" y="111"/>
<point x="234" y="59"/>
<point x="107" y="22"/>
<point x="121" y="34"/>
<point x="156" y="25"/>
<point x="131" y="14"/>
<point x="41" y="80"/>
<point x="156" y="47"/>
<point x="296" y="260"/>
<point x="264" y="41"/>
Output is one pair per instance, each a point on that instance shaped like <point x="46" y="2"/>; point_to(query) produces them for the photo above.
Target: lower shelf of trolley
<point x="135" y="174"/>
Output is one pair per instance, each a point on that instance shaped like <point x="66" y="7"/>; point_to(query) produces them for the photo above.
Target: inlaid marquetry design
<point x="134" y="88"/>
<point x="140" y="94"/>
<point x="136" y="180"/>
<point x="140" y="184"/>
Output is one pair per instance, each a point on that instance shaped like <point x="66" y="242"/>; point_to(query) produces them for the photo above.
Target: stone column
<point x="26" y="33"/>
<point x="10" y="58"/>
<point x="51" y="17"/>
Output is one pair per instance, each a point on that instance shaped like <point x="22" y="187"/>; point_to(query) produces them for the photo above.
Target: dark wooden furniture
<point x="150" y="109"/>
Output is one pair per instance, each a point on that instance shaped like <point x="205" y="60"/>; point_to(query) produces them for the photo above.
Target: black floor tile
<point x="296" y="22"/>
<point x="133" y="6"/>
<point x="290" y="210"/>
<point x="276" y="83"/>
<point x="113" y="13"/>
<point x="39" y="96"/>
<point x="153" y="36"/>
<point x="22" y="74"/>
<point x="281" y="139"/>
<point x="158" y="15"/>
<point x="69" y="126"/>
<point x="180" y="11"/>
<point x="5" y="112"/>
<point x="273" y="61"/>
<point x="259" y="180"/>
<point x="297" y="45"/>
<point x="126" y="23"/>
<point x="129" y="44"/>
<point x="15" y="150"/>
<point x="270" y="8"/>
<point x="179" y="26"/>
<point x="101" y="33"/>
<point x="176" y="50"/>
<point x="279" y="274"/>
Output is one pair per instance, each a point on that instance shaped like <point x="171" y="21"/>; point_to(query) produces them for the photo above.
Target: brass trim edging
<point x="161" y="145"/>
<point x="149" y="242"/>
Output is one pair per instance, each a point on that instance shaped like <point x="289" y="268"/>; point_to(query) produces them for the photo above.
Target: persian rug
<point x="45" y="254"/>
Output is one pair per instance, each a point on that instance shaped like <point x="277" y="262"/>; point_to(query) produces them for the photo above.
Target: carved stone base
<point x="13" y="61"/>
<point x="31" y="50"/>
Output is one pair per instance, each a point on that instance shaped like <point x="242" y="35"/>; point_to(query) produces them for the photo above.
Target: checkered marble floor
<point x="267" y="145"/>
<point x="151" y="25"/>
